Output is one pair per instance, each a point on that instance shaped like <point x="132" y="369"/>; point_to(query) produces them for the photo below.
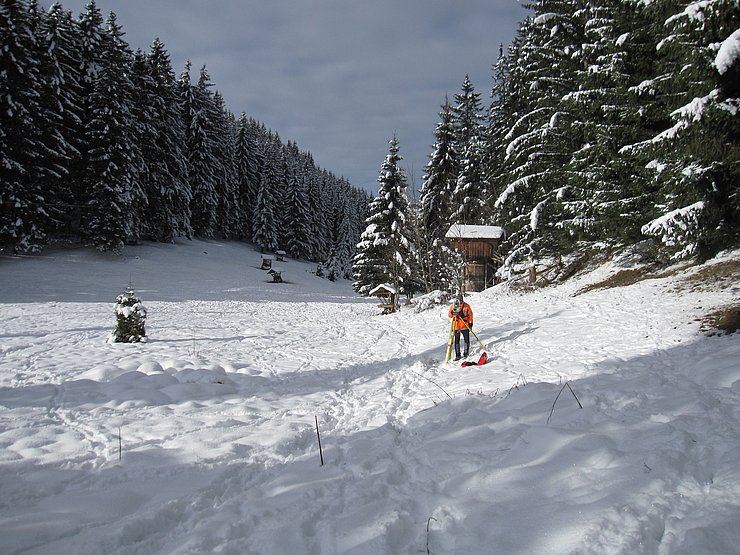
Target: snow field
<point x="217" y="412"/>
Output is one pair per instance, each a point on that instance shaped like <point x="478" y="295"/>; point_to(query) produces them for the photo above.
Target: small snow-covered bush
<point x="130" y="318"/>
<point x="430" y="300"/>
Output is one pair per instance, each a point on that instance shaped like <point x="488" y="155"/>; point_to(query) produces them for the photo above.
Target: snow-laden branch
<point x="728" y="53"/>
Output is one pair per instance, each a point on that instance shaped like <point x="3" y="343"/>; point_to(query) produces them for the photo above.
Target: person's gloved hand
<point x="470" y="325"/>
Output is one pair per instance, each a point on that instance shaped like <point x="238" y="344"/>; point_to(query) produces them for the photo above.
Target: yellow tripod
<point x="450" y="340"/>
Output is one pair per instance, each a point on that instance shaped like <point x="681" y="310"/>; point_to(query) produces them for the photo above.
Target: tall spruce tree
<point x="297" y="216"/>
<point x="435" y="202"/>
<point x="604" y="193"/>
<point x="264" y="226"/>
<point x="22" y="148"/>
<point x="468" y="196"/>
<point x="167" y="189"/>
<point x="223" y="132"/>
<point x="440" y="177"/>
<point x="538" y="142"/>
<point x="697" y="153"/>
<point x="249" y="163"/>
<point x="57" y="38"/>
<point x="89" y="48"/>
<point x="202" y="166"/>
<point x="111" y="183"/>
<point x="318" y="230"/>
<point x="384" y="253"/>
<point x="339" y="263"/>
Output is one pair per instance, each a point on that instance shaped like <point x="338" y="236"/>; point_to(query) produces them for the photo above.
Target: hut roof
<point x="463" y="231"/>
<point x="383" y="289"/>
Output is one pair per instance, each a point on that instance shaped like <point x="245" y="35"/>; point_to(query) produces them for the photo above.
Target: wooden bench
<point x="267" y="261"/>
<point x="277" y="275"/>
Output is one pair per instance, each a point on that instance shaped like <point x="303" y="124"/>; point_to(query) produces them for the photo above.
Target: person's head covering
<point x="460" y="297"/>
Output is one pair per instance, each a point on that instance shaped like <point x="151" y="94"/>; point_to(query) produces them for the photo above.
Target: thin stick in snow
<point x="318" y="435"/>
<point x="120" y="444"/>
<point x="432" y="382"/>
<point x="580" y="406"/>
<point x="429" y="521"/>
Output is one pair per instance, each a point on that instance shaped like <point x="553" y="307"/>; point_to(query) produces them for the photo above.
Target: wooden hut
<point x="479" y="245"/>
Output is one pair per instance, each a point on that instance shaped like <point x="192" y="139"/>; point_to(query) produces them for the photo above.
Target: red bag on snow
<point x="481" y="361"/>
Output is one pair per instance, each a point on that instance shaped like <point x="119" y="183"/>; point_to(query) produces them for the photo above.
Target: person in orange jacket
<point x="462" y="321"/>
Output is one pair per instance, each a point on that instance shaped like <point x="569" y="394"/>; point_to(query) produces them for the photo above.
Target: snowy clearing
<point x="217" y="414"/>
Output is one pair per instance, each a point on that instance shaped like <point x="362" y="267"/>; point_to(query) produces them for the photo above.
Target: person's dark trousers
<point x="466" y="337"/>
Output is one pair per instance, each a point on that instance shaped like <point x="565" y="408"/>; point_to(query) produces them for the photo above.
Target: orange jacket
<point x="464" y="315"/>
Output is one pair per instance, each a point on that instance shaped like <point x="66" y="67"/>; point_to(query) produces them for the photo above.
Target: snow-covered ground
<point x="217" y="415"/>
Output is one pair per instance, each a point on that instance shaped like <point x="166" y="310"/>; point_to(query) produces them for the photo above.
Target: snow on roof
<point x="385" y="286"/>
<point x="463" y="231"/>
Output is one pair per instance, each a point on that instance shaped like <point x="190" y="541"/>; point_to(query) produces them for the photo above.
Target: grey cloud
<point x="338" y="77"/>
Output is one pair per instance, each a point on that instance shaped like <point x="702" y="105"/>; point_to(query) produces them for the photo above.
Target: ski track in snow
<point x="217" y="421"/>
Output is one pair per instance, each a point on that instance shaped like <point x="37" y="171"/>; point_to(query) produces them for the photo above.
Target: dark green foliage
<point x="130" y="318"/>
<point x="100" y="143"/>
<point x="385" y="253"/>
<point x="611" y="123"/>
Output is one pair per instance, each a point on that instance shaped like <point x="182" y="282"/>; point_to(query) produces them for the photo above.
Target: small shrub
<point x="130" y="318"/>
<point x="725" y="320"/>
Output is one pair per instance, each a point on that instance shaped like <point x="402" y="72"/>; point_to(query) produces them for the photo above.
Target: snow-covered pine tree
<point x="605" y="194"/>
<point x="384" y="252"/>
<point x="52" y="165"/>
<point x="249" y="163"/>
<point x="264" y="226"/>
<point x="130" y="318"/>
<point x="22" y="202"/>
<point x="453" y="188"/>
<point x="87" y="55"/>
<point x="696" y="154"/>
<point x="115" y="198"/>
<point x="57" y="37"/>
<point x="440" y="178"/>
<point x="202" y="166"/>
<point x="538" y="142"/>
<point x="339" y="264"/>
<point x="297" y="217"/>
<point x="317" y="221"/>
<point x="165" y="177"/>
<point x="468" y="117"/>
<point x="224" y="144"/>
<point x="469" y="190"/>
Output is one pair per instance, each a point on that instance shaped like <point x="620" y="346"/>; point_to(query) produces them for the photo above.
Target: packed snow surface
<point x="203" y="439"/>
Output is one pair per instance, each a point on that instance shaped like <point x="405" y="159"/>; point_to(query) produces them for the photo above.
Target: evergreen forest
<point x="109" y="147"/>
<point x="611" y="125"/>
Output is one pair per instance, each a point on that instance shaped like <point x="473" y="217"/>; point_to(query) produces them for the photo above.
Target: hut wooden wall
<point x="475" y="249"/>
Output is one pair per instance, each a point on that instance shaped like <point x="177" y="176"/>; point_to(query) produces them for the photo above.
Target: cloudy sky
<point x="338" y="77"/>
